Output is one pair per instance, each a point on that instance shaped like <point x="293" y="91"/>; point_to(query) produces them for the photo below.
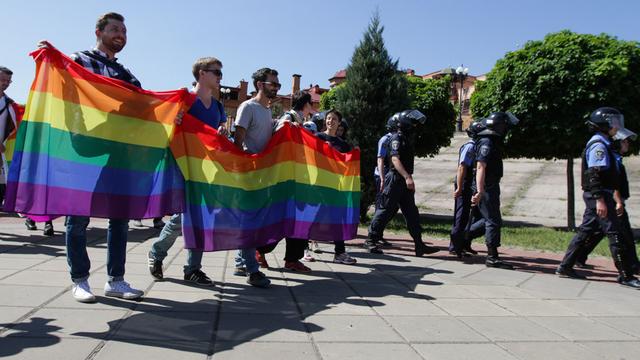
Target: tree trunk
<point x="571" y="203"/>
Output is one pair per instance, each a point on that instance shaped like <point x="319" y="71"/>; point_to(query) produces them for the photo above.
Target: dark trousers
<point x="339" y="248"/>
<point x="487" y="219"/>
<point x="462" y="207"/>
<point x="294" y="250"/>
<point x="77" y="256"/>
<point x="591" y="225"/>
<point x="396" y="195"/>
<point x="376" y="180"/>
<point x="627" y="238"/>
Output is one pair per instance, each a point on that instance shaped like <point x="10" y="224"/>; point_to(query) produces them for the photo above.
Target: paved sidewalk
<point x="390" y="306"/>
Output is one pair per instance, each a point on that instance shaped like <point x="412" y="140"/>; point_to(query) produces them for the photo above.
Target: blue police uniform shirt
<point x="467" y="155"/>
<point x="382" y="150"/>
<point x="213" y="116"/>
<point x="597" y="153"/>
<point x="489" y="152"/>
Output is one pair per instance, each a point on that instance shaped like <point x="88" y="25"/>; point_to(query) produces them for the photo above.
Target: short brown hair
<point x="103" y="20"/>
<point x="204" y="63"/>
<point x="5" y="70"/>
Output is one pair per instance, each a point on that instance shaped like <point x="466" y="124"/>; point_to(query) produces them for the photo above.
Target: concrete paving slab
<point x="628" y="325"/>
<point x="264" y="350"/>
<point x="20" y="295"/>
<point x="327" y="305"/>
<point x="166" y="325"/>
<point x="241" y="304"/>
<point x="487" y="291"/>
<point x="434" y="329"/>
<point x="499" y="276"/>
<point x="367" y="351"/>
<point x="46" y="348"/>
<point x="507" y="329"/>
<point x="261" y="327"/>
<point x="614" y="350"/>
<point x="580" y="329"/>
<point x="441" y="291"/>
<point x="153" y="350"/>
<point x="471" y="307"/>
<point x="68" y="323"/>
<point x="549" y="350"/>
<point x="462" y="352"/>
<point x="407" y="305"/>
<point x="330" y="328"/>
<point x="37" y="278"/>
<point x="9" y="314"/>
<point x="534" y="307"/>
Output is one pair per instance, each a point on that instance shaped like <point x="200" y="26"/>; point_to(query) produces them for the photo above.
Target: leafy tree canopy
<point x="553" y="85"/>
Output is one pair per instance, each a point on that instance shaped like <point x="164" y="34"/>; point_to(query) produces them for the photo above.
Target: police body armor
<point x="596" y="180"/>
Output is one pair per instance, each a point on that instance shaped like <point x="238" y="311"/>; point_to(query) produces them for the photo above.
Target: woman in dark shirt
<point x="333" y="119"/>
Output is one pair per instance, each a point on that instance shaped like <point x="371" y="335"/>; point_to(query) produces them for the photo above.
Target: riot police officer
<point x="462" y="193"/>
<point x="399" y="188"/>
<point x="600" y="179"/>
<point x="486" y="188"/>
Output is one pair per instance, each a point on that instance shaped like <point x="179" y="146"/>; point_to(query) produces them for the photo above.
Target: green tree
<point x="328" y="99"/>
<point x="373" y="91"/>
<point x="553" y="85"/>
<point x="277" y="110"/>
<point x="431" y="97"/>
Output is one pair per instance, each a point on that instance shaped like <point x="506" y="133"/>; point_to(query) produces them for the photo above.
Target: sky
<point x="311" y="38"/>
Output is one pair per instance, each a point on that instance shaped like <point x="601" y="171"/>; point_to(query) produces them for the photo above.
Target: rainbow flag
<point x="93" y="146"/>
<point x="297" y="187"/>
<point x="10" y="143"/>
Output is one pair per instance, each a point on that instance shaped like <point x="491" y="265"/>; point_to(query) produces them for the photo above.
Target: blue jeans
<point x="170" y="232"/>
<point x="247" y="258"/>
<point x="76" y="241"/>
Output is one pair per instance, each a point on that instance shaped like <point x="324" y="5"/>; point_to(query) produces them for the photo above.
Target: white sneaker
<point x="81" y="291"/>
<point x="137" y="223"/>
<point x="121" y="289"/>
<point x="344" y="258"/>
<point x="308" y="257"/>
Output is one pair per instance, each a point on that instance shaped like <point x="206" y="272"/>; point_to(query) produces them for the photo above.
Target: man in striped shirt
<point x="111" y="37"/>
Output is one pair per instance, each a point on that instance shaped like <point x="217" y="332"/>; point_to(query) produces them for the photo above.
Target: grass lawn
<point x="514" y="235"/>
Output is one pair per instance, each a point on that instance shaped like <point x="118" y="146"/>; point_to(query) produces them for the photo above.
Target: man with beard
<point x="254" y="127"/>
<point x="111" y="37"/>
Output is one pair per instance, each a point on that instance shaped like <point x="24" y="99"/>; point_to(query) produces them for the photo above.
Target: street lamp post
<point x="462" y="73"/>
<point x="224" y="92"/>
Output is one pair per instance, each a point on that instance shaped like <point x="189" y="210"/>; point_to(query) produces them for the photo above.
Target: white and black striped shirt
<point x="97" y="62"/>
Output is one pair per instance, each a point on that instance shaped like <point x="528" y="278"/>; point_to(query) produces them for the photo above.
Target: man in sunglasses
<point x="206" y="108"/>
<point x="254" y="126"/>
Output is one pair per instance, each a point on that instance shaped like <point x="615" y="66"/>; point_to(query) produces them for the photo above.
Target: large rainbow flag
<point x="94" y="146"/>
<point x="297" y="187"/>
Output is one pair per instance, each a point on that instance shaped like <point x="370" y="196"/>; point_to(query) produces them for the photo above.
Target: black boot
<point x="372" y="246"/>
<point x="569" y="272"/>
<point x="630" y="282"/>
<point x="494" y="261"/>
<point x="422" y="248"/>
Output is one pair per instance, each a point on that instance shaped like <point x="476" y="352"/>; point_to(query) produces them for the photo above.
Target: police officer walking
<point x="488" y="172"/>
<point x="399" y="188"/>
<point x="460" y="245"/>
<point x="600" y="179"/>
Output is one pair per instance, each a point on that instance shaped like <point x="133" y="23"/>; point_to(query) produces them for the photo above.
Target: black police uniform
<point x="598" y="182"/>
<point x="625" y="225"/>
<point x="462" y="203"/>
<point x="487" y="219"/>
<point x="395" y="193"/>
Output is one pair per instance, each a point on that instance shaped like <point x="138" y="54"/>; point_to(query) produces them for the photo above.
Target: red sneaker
<point x="261" y="260"/>
<point x="296" y="266"/>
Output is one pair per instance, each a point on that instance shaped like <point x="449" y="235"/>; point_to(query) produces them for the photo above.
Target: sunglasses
<point x="216" y="72"/>
<point x="274" y="84"/>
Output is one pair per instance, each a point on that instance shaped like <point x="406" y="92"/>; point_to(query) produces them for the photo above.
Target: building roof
<point x="341" y="74"/>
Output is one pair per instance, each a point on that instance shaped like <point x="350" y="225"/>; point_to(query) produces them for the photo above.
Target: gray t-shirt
<point x="256" y="119"/>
